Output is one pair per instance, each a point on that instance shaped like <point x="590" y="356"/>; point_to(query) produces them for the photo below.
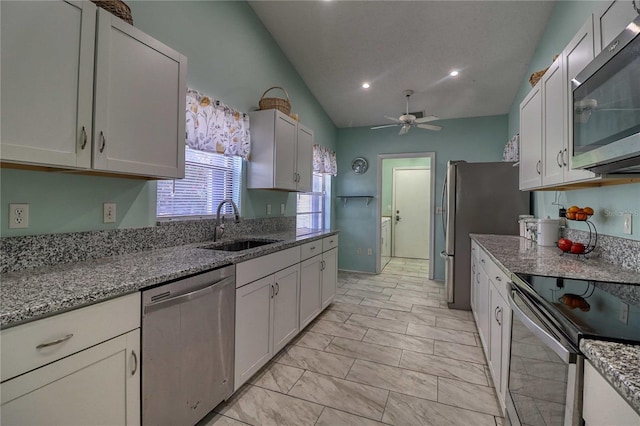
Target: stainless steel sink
<point x="239" y="245"/>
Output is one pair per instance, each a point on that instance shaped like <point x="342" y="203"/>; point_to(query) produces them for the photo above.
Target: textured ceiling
<point x="395" y="45"/>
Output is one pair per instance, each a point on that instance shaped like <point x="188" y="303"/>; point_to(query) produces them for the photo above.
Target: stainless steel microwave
<point x="606" y="108"/>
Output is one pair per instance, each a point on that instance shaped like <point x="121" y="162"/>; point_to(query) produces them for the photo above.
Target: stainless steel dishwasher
<point x="187" y="347"/>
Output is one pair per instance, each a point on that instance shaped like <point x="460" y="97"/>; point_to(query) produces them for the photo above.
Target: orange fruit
<point x="588" y="210"/>
<point x="573" y="209"/>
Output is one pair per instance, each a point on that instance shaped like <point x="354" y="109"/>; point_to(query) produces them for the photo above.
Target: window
<point x="209" y="178"/>
<point x="312" y="207"/>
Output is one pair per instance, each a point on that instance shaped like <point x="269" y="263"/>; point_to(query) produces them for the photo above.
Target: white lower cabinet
<point x="329" y="276"/>
<point x="266" y="320"/>
<point x="602" y="405"/>
<point x="492" y="314"/>
<point x="310" y="289"/>
<point x="271" y="310"/>
<point x="79" y="367"/>
<point x="97" y="386"/>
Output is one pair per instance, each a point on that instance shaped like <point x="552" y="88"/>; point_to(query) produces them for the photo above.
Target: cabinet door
<point x="474" y="275"/>
<point x="482" y="304"/>
<point x="99" y="385"/>
<point x="495" y="339"/>
<point x="304" y="163"/>
<point x="603" y="405"/>
<point x="286" y="136"/>
<point x="577" y="54"/>
<point x="611" y="20"/>
<point x="310" y="288"/>
<point x="329" y="276"/>
<point x="47" y="84"/>
<point x="506" y="351"/>
<point x="140" y="95"/>
<point x="254" y="319"/>
<point x="531" y="139"/>
<point x="554" y="92"/>
<point x="285" y="307"/>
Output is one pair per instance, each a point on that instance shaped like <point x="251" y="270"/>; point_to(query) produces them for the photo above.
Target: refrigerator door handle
<point x="444" y="209"/>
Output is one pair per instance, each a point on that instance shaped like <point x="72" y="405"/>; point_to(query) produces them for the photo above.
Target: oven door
<point x="545" y="370"/>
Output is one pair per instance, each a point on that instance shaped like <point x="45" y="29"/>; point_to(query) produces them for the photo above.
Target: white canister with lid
<point x="548" y="231"/>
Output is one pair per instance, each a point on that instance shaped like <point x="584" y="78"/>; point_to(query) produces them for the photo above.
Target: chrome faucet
<point x="219" y="228"/>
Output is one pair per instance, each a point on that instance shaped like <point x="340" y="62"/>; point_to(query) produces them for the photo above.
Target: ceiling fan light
<point x="454" y="73"/>
<point x="365" y="85"/>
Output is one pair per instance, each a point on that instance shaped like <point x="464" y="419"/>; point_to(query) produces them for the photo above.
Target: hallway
<point x="387" y="350"/>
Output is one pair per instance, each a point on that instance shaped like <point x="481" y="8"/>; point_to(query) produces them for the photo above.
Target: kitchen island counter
<point x="36" y="293"/>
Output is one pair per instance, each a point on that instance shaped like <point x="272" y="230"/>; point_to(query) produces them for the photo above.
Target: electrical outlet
<point x="627" y="223"/>
<point x="358" y="250"/>
<point x="369" y="251"/>
<point x="268" y="208"/>
<point x="18" y="216"/>
<point x="109" y="212"/>
<point x="282" y="208"/>
<point x="624" y="313"/>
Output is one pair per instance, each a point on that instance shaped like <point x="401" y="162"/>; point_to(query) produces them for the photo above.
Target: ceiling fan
<point x="409" y="120"/>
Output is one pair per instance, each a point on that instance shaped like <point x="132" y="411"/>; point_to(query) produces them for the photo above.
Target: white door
<point x="410" y="221"/>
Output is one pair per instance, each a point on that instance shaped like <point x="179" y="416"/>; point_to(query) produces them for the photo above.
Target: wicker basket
<point x="536" y="76"/>
<point x="117" y="7"/>
<point x="282" y="105"/>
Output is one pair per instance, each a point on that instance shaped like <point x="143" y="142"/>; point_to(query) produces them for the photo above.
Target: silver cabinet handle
<point x="322" y="265"/>
<point x="84" y="138"/>
<point x="54" y="342"/>
<point x="312" y="248"/>
<point x="538" y="164"/>
<point x="478" y="278"/>
<point x="331" y="241"/>
<point x="482" y="260"/>
<point x="498" y="279"/>
<point x="135" y="363"/>
<point x="103" y="140"/>
<point x="277" y="288"/>
<point x="565" y="157"/>
<point x="273" y="291"/>
<point x="496" y="312"/>
<point x="558" y="158"/>
<point x="635" y="7"/>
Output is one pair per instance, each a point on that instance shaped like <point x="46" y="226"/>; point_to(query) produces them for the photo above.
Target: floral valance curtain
<point x="512" y="149"/>
<point x="324" y="160"/>
<point x="215" y="127"/>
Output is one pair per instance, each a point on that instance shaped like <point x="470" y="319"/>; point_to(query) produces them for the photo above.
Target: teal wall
<point x="472" y="139"/>
<point x="609" y="202"/>
<point x="387" y="178"/>
<point x="232" y="57"/>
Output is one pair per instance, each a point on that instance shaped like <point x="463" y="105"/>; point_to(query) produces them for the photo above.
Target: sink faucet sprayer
<point x="219" y="228"/>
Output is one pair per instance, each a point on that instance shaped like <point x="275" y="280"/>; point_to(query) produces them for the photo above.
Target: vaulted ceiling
<point x="395" y="45"/>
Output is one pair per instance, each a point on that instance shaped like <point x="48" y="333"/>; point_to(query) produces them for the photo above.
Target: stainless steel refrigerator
<point x="479" y="198"/>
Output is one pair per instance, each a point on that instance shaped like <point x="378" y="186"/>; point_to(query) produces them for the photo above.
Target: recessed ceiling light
<point x="454" y="73"/>
<point x="365" y="85"/>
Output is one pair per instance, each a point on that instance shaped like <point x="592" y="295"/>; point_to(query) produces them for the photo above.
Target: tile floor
<point x="387" y="351"/>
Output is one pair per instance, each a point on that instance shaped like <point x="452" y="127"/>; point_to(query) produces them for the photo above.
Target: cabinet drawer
<point x="329" y="242"/>
<point x="496" y="275"/>
<point x="259" y="267"/>
<point x="310" y="249"/>
<point x="86" y="326"/>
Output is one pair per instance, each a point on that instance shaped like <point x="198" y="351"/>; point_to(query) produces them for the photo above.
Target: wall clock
<point x="359" y="165"/>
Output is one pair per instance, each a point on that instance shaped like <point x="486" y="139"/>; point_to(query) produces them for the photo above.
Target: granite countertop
<point x="515" y="254"/>
<point x="619" y="363"/>
<point x="35" y="293"/>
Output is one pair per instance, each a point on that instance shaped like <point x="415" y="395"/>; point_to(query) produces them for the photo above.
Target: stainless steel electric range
<point x="550" y="317"/>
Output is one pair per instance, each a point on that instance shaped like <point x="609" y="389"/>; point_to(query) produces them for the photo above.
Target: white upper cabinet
<point x="125" y="116"/>
<point x="546" y="119"/>
<point x="47" y="82"/>
<point x="611" y="20"/>
<point x="554" y="123"/>
<point x="281" y="153"/>
<point x="531" y="139"/>
<point x="140" y="89"/>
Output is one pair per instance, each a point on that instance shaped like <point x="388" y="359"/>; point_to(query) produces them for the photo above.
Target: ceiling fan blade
<point x="430" y="127"/>
<point x="392" y="119"/>
<point x="386" y="125"/>
<point x="427" y="119"/>
<point x="404" y="130"/>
